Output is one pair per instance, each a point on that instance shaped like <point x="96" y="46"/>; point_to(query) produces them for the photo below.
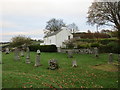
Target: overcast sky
<point x="29" y="17"/>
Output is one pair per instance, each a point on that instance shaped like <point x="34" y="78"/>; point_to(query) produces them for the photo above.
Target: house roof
<point x="54" y="33"/>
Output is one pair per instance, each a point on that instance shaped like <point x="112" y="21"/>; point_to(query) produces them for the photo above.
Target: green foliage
<point x="106" y="41"/>
<point x="54" y="24"/>
<point x="83" y="46"/>
<point x="70" y="45"/>
<point x="43" y="48"/>
<point x="111" y="47"/>
<point x="19" y="40"/>
<point x="95" y="44"/>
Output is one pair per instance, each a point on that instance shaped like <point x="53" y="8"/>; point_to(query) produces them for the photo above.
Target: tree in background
<point x="105" y="13"/>
<point x="19" y="40"/>
<point x="73" y="27"/>
<point x="54" y="24"/>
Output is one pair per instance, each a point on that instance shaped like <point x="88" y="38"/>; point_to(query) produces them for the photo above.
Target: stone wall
<point x="81" y="51"/>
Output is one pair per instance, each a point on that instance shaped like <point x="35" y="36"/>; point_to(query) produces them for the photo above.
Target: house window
<point x="68" y="37"/>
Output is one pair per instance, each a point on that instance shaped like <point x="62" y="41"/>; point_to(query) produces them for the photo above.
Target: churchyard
<point x="79" y="71"/>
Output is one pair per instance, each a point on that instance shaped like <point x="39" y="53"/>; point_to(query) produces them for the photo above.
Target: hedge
<point x="43" y="48"/>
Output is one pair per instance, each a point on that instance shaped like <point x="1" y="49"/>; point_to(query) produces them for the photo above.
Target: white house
<point x="58" y="37"/>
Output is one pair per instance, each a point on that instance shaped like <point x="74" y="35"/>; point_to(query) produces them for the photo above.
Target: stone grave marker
<point x="7" y="51"/>
<point x="22" y="53"/>
<point x="28" y="55"/>
<point x="70" y="54"/>
<point x="96" y="51"/>
<point x="74" y="63"/>
<point x="53" y="64"/>
<point x="110" y="60"/>
<point x="37" y="61"/>
<point x="16" y="54"/>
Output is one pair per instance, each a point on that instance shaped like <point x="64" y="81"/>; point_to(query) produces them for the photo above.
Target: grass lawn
<point x="18" y="74"/>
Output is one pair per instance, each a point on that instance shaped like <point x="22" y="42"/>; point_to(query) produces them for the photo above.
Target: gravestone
<point x="22" y="53"/>
<point x="74" y="63"/>
<point x="70" y="54"/>
<point x="16" y="54"/>
<point x="7" y="51"/>
<point x="53" y="64"/>
<point x="96" y="51"/>
<point x="37" y="61"/>
<point x="110" y="60"/>
<point x="28" y="55"/>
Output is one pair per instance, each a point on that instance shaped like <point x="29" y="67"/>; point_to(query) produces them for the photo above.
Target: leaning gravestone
<point x="28" y="55"/>
<point x="37" y="61"/>
<point x="16" y="53"/>
<point x="96" y="51"/>
<point x="7" y="51"/>
<point x="74" y="63"/>
<point x="53" y="64"/>
<point x="70" y="54"/>
<point x="110" y="60"/>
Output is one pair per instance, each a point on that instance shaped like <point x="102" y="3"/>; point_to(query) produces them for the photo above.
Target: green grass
<point x="18" y="74"/>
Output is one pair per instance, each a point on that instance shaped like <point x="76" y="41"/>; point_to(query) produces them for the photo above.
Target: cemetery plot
<point x="85" y="75"/>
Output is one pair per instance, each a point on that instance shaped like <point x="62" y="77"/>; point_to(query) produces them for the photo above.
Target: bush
<point x="95" y="44"/>
<point x="43" y="48"/>
<point x="111" y="47"/>
<point x="83" y="46"/>
<point x="106" y="41"/>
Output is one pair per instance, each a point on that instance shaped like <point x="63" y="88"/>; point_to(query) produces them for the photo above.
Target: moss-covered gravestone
<point x="53" y="64"/>
<point x="28" y="55"/>
<point x="110" y="60"/>
<point x="16" y="54"/>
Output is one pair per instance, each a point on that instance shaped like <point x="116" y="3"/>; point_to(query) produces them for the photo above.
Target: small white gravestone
<point x="28" y="56"/>
<point x="110" y="60"/>
<point x="96" y="51"/>
<point x="74" y="63"/>
<point x="16" y="53"/>
<point x="37" y="61"/>
<point x="7" y="51"/>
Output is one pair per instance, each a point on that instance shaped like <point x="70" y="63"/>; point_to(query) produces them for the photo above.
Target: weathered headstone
<point x="53" y="64"/>
<point x="28" y="55"/>
<point x="22" y="53"/>
<point x="37" y="61"/>
<point x="7" y="51"/>
<point x="70" y="54"/>
<point x="74" y="63"/>
<point x="16" y="53"/>
<point x="96" y="51"/>
<point x="110" y="60"/>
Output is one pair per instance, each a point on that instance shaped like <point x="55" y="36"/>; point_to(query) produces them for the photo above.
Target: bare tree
<point x="73" y="27"/>
<point x="105" y="13"/>
<point x="54" y="24"/>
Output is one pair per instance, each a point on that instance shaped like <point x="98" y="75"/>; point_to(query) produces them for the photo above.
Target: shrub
<point x="111" y="47"/>
<point x="83" y="46"/>
<point x="43" y="48"/>
<point x="95" y="44"/>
